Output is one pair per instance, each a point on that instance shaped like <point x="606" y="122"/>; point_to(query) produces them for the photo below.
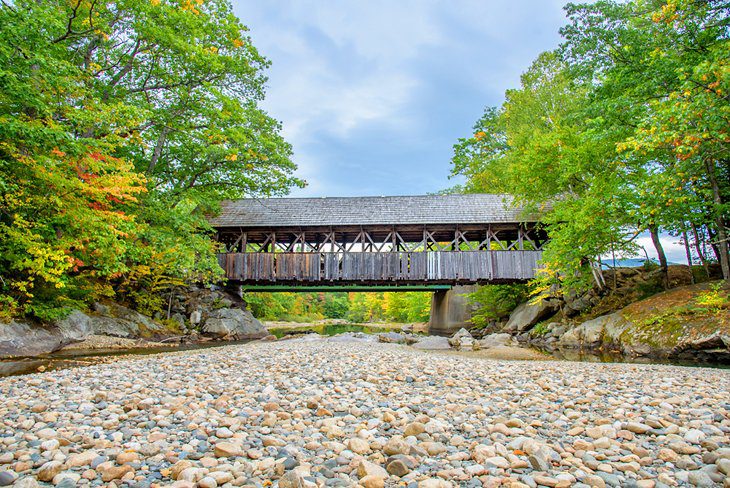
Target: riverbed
<point x="315" y="412"/>
<point x="76" y="356"/>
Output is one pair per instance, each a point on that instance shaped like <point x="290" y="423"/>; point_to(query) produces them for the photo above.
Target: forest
<point x="124" y="124"/>
<point x="622" y="131"/>
<point x="355" y="307"/>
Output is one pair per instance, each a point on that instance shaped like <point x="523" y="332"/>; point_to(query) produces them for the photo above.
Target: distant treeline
<point x="401" y="307"/>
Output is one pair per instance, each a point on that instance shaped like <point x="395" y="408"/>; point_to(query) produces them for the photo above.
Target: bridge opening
<point x="355" y="306"/>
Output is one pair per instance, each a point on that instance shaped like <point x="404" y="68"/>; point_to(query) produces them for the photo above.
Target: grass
<point x="683" y="313"/>
<point x="540" y="329"/>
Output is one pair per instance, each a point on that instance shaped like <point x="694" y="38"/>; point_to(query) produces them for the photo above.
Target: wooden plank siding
<point x="381" y="267"/>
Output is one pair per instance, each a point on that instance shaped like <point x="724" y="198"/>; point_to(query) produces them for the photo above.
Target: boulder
<point x="76" y="327"/>
<point x="119" y="321"/>
<point x="24" y="339"/>
<point x="577" y="304"/>
<point x="432" y="343"/>
<point x="464" y="341"/>
<point x="19" y="338"/>
<point x="526" y="315"/>
<point x="594" y="333"/>
<point x="571" y="338"/>
<point x="461" y="333"/>
<point x="493" y="340"/>
<point x="715" y="341"/>
<point x="233" y="323"/>
<point x="110" y="326"/>
<point x="392" y="337"/>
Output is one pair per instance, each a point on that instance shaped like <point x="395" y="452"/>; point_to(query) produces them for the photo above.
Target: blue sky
<point x="372" y="95"/>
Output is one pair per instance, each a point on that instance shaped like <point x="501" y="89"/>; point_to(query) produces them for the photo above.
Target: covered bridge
<point x="397" y="240"/>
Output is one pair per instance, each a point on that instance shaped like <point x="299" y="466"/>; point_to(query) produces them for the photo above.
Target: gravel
<point x="307" y="413"/>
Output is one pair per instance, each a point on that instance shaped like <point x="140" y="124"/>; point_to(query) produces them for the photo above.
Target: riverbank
<point x="306" y="413"/>
<point x="195" y="315"/>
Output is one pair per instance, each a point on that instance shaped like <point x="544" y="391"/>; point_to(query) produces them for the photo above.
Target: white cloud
<point x="339" y="68"/>
<point x="672" y="246"/>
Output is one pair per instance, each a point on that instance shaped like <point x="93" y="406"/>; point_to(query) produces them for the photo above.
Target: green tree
<point x="496" y="302"/>
<point x="621" y="131"/>
<point x="121" y="125"/>
<point x="336" y="305"/>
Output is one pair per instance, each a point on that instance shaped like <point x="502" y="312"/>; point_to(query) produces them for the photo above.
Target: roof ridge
<point x="457" y="208"/>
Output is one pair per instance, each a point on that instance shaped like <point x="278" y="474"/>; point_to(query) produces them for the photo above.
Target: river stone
<point x="574" y="419"/>
<point x="432" y="343"/>
<point x="366" y="468"/>
<point x="372" y="481"/>
<point x="398" y="468"/>
<point x="526" y="315"/>
<point x="227" y="449"/>
<point x="81" y="459"/>
<point x="233" y="323"/>
<point x="294" y="479"/>
<point x="700" y="479"/>
<point x="26" y="482"/>
<point x="493" y="340"/>
<point x="49" y="470"/>
<point x="7" y="478"/>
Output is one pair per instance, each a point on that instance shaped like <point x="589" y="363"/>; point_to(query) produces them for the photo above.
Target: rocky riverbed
<point x="305" y="413"/>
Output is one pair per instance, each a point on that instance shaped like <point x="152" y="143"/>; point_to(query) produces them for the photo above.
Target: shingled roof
<point x="396" y="210"/>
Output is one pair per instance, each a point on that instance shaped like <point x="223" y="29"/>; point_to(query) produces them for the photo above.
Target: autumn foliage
<point x="121" y="125"/>
<point x="622" y="132"/>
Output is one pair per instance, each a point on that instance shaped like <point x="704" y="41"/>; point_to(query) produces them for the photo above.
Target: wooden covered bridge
<point x="377" y="241"/>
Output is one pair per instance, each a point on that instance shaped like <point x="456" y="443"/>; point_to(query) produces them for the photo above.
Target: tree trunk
<point x="654" y="231"/>
<point x="688" y="251"/>
<point x="722" y="238"/>
<point x="158" y="149"/>
<point x="700" y="253"/>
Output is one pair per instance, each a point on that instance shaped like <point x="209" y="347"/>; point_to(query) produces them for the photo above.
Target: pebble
<point x="313" y="413"/>
<point x="49" y="470"/>
<point x="8" y="477"/>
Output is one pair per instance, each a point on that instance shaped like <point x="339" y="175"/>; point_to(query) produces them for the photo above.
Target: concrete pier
<point x="450" y="310"/>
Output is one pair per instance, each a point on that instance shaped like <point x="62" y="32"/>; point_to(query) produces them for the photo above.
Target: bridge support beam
<point x="450" y="310"/>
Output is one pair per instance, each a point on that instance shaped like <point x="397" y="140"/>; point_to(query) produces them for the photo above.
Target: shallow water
<point x="331" y="329"/>
<point x="80" y="357"/>
<point x="85" y="357"/>
<point x="616" y="357"/>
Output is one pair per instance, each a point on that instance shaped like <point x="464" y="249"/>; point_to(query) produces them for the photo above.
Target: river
<point x="73" y="358"/>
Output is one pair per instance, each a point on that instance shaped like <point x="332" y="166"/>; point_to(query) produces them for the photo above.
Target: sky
<point x="373" y="94"/>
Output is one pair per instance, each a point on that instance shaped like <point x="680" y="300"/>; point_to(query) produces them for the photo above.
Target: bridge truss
<point x="381" y="255"/>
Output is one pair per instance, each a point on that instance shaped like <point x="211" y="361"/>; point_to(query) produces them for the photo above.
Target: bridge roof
<point x="369" y="211"/>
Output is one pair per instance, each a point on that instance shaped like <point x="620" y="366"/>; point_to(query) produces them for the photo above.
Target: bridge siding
<point x="381" y="267"/>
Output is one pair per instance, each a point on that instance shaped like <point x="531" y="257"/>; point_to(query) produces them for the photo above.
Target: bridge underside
<point x="299" y="288"/>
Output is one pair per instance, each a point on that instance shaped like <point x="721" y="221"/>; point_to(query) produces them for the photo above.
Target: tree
<point x="121" y="125"/>
<point x="659" y="69"/>
<point x="621" y="131"/>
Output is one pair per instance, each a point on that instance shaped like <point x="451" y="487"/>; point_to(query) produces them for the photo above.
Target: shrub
<point x="496" y="302"/>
